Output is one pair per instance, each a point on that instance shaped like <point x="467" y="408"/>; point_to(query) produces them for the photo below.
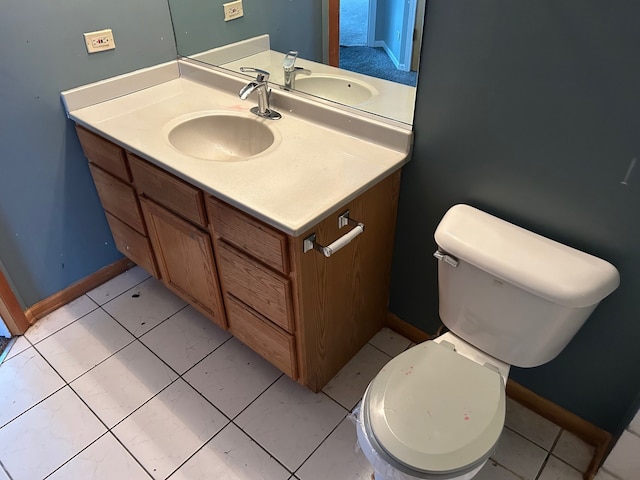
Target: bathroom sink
<point x="220" y="136"/>
<point x="347" y="91"/>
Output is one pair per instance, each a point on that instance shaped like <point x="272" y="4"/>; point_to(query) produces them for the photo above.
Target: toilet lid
<point x="436" y="411"/>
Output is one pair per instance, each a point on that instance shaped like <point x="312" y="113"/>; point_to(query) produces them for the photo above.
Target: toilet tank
<point x="512" y="293"/>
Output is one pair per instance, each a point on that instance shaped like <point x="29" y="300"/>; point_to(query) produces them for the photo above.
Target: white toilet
<point x="508" y="297"/>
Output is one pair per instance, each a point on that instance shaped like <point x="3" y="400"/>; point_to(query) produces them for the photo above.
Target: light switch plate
<point x="233" y="10"/>
<point x="99" y="41"/>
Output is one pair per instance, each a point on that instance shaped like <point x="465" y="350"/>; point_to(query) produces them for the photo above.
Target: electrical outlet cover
<point x="233" y="10"/>
<point x="99" y="41"/>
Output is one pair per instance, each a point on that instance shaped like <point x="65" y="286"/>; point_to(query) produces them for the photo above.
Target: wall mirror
<point x="359" y="53"/>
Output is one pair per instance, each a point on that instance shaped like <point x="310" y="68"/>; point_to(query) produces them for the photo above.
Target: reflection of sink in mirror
<point x="346" y="91"/>
<point x="390" y="100"/>
<point x="220" y="136"/>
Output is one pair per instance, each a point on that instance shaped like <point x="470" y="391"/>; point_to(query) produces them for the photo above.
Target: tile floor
<point x="129" y="382"/>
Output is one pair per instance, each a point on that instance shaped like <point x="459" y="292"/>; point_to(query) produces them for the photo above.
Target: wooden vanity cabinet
<point x="305" y="313"/>
<point x="110" y="171"/>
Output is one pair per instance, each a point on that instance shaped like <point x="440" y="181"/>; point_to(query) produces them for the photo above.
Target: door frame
<point x="334" y="30"/>
<point x="334" y="33"/>
<point x="10" y="309"/>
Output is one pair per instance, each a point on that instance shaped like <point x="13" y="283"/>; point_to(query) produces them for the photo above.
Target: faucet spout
<point x="248" y="89"/>
<point x="291" y="71"/>
<point x="261" y="87"/>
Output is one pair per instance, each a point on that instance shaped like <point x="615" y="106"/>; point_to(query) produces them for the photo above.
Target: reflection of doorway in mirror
<point x="354" y="23"/>
<point x="380" y="38"/>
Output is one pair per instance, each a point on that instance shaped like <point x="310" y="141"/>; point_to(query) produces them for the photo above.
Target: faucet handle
<point x="290" y="59"/>
<point x="262" y="76"/>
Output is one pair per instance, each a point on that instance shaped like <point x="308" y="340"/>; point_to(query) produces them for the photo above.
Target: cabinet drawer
<point x="164" y="188"/>
<point x="132" y="244"/>
<point x="118" y="198"/>
<point x="257" y="286"/>
<point x="105" y="154"/>
<point x="262" y="337"/>
<point x="261" y="241"/>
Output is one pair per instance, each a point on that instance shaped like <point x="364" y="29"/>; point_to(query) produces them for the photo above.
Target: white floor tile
<point x="290" y="421"/>
<point x="25" y="380"/>
<point x="339" y="456"/>
<point x="531" y="425"/>
<point x="519" y="455"/>
<point x="185" y="339"/>
<point x="104" y="459"/>
<point x="60" y="318"/>
<point x="232" y="377"/>
<point x="3" y="475"/>
<point x="144" y="306"/>
<point x="574" y="451"/>
<point x="231" y="455"/>
<point x="118" y="285"/>
<point x="493" y="471"/>
<point x="20" y="345"/>
<point x="634" y="426"/>
<point x="82" y="345"/>
<point x="45" y="437"/>
<point x="123" y="382"/>
<point x="604" y="475"/>
<point x="390" y="342"/>
<point x="624" y="459"/>
<point x="348" y="386"/>
<point x="168" y="429"/>
<point x="558" y="470"/>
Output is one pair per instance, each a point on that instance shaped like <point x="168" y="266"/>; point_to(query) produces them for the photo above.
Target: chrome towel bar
<point x="343" y="220"/>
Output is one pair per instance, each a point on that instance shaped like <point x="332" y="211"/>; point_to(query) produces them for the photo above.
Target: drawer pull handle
<point x="343" y="220"/>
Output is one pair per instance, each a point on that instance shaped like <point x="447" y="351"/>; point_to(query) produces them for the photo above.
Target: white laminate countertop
<point x="322" y="157"/>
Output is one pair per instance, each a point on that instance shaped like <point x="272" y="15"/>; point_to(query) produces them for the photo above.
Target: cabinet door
<point x="132" y="244"/>
<point x="185" y="258"/>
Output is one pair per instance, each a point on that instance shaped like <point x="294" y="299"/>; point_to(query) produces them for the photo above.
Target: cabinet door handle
<point x="328" y="250"/>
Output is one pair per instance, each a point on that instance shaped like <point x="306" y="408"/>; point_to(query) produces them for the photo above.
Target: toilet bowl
<point x="508" y="297"/>
<point x="444" y="426"/>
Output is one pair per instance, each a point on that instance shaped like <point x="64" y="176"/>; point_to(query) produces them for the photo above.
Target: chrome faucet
<point x="291" y="71"/>
<point x="261" y="87"/>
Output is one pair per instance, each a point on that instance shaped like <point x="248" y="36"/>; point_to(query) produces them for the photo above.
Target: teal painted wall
<point x="291" y="24"/>
<point x="389" y="21"/>
<point x="52" y="229"/>
<point x="529" y="110"/>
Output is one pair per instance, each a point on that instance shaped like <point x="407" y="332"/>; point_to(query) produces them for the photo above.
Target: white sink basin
<point x="220" y="136"/>
<point x="347" y="91"/>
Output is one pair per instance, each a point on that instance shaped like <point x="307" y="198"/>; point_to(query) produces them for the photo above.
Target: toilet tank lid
<point x="544" y="267"/>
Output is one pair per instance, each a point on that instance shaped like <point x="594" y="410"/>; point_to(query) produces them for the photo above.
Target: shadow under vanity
<point x="224" y="247"/>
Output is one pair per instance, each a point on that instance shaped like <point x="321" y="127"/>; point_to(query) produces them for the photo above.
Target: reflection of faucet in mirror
<point x="290" y="70"/>
<point x="261" y="87"/>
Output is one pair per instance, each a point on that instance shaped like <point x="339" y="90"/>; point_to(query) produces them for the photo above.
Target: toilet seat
<point x="435" y="412"/>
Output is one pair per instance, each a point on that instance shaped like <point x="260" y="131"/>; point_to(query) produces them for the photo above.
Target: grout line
<point x="495" y="462"/>
<point x="65" y="384"/>
<point x="543" y="466"/>
<point x="4" y="469"/>
<point x="123" y="292"/>
<point x="65" y="326"/>
<point x="321" y="443"/>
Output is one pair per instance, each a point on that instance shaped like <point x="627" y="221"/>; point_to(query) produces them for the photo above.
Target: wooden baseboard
<point x="405" y="329"/>
<point x="46" y="306"/>
<point x="588" y="432"/>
